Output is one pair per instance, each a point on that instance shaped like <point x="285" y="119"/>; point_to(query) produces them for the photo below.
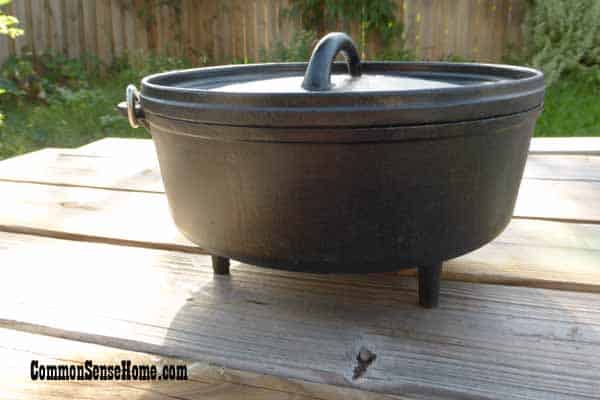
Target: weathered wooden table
<point x="93" y="268"/>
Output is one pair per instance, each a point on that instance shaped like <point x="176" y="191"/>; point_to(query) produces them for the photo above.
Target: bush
<point x="562" y="35"/>
<point x="60" y="102"/>
<point x="299" y="49"/>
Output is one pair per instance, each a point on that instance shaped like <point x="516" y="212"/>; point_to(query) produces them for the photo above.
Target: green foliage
<point x="32" y="78"/>
<point x="562" y="35"/>
<point x="78" y="105"/>
<point x="8" y="26"/>
<point x="572" y="105"/>
<point x="299" y="49"/>
<point x="8" y="23"/>
<point x="375" y="17"/>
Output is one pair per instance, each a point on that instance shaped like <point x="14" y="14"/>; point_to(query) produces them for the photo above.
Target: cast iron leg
<point x="220" y="265"/>
<point x="429" y="284"/>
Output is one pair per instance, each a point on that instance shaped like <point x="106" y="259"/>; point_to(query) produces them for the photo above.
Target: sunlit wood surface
<point x="93" y="268"/>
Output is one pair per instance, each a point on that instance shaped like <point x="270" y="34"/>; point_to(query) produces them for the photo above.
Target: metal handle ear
<point x="131" y="107"/>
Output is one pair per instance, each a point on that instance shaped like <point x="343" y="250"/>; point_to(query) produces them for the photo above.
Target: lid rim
<point x="520" y="89"/>
<point x="534" y="77"/>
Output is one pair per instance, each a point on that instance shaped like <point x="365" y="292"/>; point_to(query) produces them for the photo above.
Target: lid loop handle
<point x="318" y="73"/>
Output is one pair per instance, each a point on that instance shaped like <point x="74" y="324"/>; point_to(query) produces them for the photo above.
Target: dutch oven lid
<point x="352" y="94"/>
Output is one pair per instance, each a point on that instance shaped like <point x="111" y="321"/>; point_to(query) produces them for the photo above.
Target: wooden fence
<point x="244" y="30"/>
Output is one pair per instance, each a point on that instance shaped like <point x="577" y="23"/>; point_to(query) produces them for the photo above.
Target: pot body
<point x="347" y="200"/>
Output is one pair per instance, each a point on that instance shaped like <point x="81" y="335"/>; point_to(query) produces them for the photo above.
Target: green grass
<point x="73" y="117"/>
<point x="572" y="106"/>
<point x="78" y="107"/>
<point x="80" y="117"/>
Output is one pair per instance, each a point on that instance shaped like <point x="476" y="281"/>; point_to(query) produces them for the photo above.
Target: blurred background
<point x="65" y="63"/>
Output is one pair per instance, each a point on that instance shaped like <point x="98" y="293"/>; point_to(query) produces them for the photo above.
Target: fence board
<point x="242" y="30"/>
<point x="55" y="35"/>
<point x="19" y="11"/>
<point x="90" y="37"/>
<point x="39" y="28"/>
<point x="129" y="21"/>
<point x="73" y="28"/>
<point x="118" y="26"/>
<point x="7" y="46"/>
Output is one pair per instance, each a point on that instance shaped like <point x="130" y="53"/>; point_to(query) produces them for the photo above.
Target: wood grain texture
<point x="118" y="28"/>
<point x="566" y="146"/>
<point x="426" y="23"/>
<point x="90" y="35"/>
<point x="485" y="341"/>
<point x="559" y="200"/>
<point x="39" y="17"/>
<point x="19" y="347"/>
<point x="105" y="45"/>
<point x="20" y="11"/>
<point x="561" y="188"/>
<point x="535" y="253"/>
<point x="131" y="164"/>
<point x="73" y="22"/>
<point x="86" y="168"/>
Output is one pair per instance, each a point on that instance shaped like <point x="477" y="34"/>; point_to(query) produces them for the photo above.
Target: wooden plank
<point x="143" y="219"/>
<point x="484" y="341"/>
<point x="40" y="27"/>
<point x="250" y="50"/>
<point x="225" y="35"/>
<point x="464" y="38"/>
<point x="169" y="27"/>
<point x="55" y="26"/>
<point x="260" y="29"/>
<point x="5" y="48"/>
<point x="556" y="187"/>
<point x="131" y="164"/>
<point x="67" y="167"/>
<point x="266" y="24"/>
<point x="187" y="28"/>
<point x="205" y="39"/>
<point x="19" y="348"/>
<point x="563" y="167"/>
<point x="256" y="36"/>
<point x="566" y="145"/>
<point x="499" y="39"/>
<point x="92" y="218"/>
<point x="141" y="31"/>
<point x="104" y="31"/>
<point x="73" y="21"/>
<point x="441" y="41"/>
<point x="412" y="26"/>
<point x="559" y="200"/>
<point x="236" y="33"/>
<point x="27" y="24"/>
<point x="514" y="20"/>
<point x="87" y="214"/>
<point x="20" y="12"/>
<point x="118" y="28"/>
<point x="130" y="19"/>
<point x="428" y="29"/>
<point x="90" y="37"/>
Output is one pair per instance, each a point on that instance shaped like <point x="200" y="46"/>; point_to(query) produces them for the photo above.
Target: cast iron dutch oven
<point x="341" y="167"/>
